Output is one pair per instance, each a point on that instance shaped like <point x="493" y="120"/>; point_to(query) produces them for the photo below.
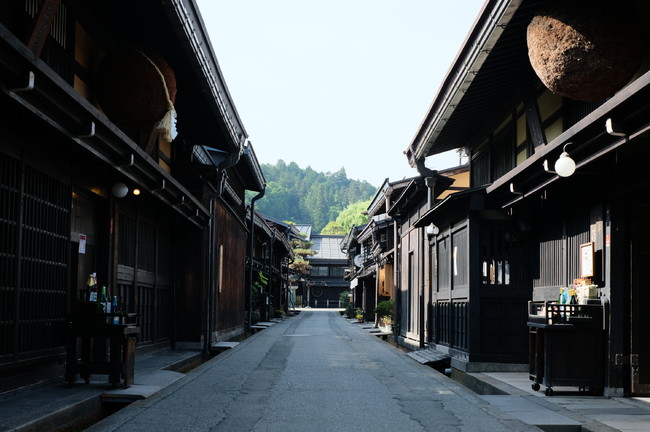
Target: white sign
<point x="82" y="243"/>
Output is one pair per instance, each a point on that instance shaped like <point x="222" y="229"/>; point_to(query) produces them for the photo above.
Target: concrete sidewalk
<point x="59" y="406"/>
<point x="595" y="413"/>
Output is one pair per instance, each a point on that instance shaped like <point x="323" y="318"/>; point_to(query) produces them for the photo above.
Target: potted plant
<point x="359" y="314"/>
<point x="384" y="311"/>
<point x="344" y="301"/>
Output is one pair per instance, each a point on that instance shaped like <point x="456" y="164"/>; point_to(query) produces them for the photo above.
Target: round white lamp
<point x="119" y="190"/>
<point x="432" y="230"/>
<point x="565" y="166"/>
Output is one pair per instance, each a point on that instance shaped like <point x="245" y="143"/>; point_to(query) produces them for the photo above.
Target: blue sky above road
<point x="339" y="83"/>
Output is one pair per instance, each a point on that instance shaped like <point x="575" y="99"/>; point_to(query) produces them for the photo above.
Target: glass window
<point x="319" y="271"/>
<point x="503" y="151"/>
<point x="554" y="130"/>
<point x="549" y="104"/>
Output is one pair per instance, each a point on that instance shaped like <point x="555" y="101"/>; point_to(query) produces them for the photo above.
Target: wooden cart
<point x="566" y="346"/>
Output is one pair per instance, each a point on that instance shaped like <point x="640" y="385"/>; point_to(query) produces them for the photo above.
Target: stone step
<point x="222" y="346"/>
<point x="429" y="356"/>
<point x="265" y="323"/>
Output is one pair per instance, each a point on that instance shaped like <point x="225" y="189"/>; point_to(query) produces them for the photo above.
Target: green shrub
<point x="385" y="308"/>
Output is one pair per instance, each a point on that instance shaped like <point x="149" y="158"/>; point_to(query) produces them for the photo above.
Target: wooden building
<point x="527" y="227"/>
<point x="352" y="248"/>
<point x="372" y="248"/>
<point x="88" y="95"/>
<point x="328" y="265"/>
<point x="371" y="251"/>
<point x="269" y="267"/>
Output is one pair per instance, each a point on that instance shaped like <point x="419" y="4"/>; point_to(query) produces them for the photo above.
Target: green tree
<point x="302" y="251"/>
<point x="307" y="196"/>
<point x="352" y="215"/>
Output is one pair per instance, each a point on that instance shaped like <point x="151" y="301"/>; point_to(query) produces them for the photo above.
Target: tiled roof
<point x="328" y="247"/>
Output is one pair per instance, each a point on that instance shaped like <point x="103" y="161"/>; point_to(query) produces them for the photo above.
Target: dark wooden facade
<point x="413" y="201"/>
<point x="529" y="216"/>
<point x="61" y="155"/>
<point x="326" y="281"/>
<point x="269" y="267"/>
<point x="476" y="266"/>
<point x="372" y="275"/>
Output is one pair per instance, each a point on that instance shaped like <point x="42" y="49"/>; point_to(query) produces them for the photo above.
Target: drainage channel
<point x="83" y="414"/>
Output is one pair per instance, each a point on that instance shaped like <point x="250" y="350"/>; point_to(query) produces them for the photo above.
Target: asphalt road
<point x="313" y="372"/>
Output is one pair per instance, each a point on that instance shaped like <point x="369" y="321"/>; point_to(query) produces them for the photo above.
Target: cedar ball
<point x="130" y="90"/>
<point x="585" y="50"/>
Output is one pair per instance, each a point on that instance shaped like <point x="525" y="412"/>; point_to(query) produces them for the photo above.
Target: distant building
<point x="371" y="248"/>
<point x="325" y="282"/>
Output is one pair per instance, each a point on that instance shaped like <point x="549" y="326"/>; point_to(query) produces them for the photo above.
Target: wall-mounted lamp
<point x="564" y="165"/>
<point x="136" y="191"/>
<point x="432" y="230"/>
<point x="119" y="190"/>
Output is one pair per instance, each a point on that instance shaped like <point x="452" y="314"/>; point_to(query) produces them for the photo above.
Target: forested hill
<point x="308" y="197"/>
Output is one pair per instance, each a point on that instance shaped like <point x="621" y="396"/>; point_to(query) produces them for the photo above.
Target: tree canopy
<point x="305" y="196"/>
<point x="352" y="215"/>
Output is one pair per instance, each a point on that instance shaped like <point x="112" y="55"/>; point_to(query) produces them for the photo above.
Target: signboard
<point x="82" y="243"/>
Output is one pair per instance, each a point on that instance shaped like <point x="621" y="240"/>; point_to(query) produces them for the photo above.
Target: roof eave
<point x="486" y="31"/>
<point x="189" y="26"/>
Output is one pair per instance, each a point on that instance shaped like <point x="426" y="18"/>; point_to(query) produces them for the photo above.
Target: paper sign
<point x="82" y="243"/>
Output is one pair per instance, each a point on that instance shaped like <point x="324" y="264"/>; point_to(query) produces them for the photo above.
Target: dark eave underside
<point x="496" y="84"/>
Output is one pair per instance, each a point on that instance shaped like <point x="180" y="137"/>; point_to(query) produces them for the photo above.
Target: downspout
<point x="249" y="257"/>
<point x="211" y="258"/>
<point x="430" y="182"/>
<point x="222" y="176"/>
<point x="430" y="178"/>
<point x="421" y="288"/>
<point x="396" y="288"/>
<point x="270" y="287"/>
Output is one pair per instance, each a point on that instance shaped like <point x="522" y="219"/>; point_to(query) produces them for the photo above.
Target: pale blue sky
<point x="337" y="83"/>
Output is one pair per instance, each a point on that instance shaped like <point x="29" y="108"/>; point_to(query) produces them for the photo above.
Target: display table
<point x="94" y="345"/>
<point x="566" y="346"/>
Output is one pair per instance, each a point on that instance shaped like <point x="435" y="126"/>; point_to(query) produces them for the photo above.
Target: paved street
<point x="313" y="372"/>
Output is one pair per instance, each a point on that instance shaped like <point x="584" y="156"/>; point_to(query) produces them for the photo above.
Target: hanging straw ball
<point x="130" y="88"/>
<point x="585" y="50"/>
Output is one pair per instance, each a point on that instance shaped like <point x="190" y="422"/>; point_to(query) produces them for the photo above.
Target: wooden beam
<point x="42" y="25"/>
<point x="534" y="120"/>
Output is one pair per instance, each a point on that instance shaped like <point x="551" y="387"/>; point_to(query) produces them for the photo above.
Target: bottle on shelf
<point x="101" y="302"/>
<point x="108" y="303"/>
<point x="574" y="298"/>
<point x="115" y="309"/>
<point x="91" y="288"/>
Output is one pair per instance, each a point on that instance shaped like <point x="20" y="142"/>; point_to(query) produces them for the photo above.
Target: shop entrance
<point x="640" y="298"/>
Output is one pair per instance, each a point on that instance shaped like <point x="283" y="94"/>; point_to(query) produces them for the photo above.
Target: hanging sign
<point x="82" y="243"/>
